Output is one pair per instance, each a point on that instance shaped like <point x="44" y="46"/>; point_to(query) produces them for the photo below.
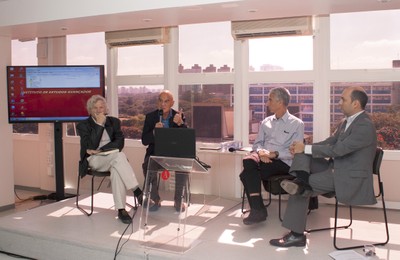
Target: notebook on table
<point x="177" y="143"/>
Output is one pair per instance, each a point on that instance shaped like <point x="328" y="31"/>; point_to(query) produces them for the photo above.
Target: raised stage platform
<point x="213" y="231"/>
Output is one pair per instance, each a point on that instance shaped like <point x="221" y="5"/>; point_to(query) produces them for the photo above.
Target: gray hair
<point x="281" y="94"/>
<point x="93" y="100"/>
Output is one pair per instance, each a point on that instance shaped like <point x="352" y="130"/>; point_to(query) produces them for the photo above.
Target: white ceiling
<point x="40" y="19"/>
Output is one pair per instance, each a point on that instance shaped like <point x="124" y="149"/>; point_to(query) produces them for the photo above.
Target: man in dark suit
<point x="348" y="172"/>
<point x="98" y="133"/>
<point x="164" y="116"/>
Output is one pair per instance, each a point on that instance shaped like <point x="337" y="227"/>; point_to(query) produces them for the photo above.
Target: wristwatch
<point x="276" y="154"/>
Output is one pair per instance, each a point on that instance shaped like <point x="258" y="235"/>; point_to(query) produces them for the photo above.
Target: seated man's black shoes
<point x="289" y="240"/>
<point x="179" y="207"/>
<point x="296" y="187"/>
<point x="139" y="199"/>
<point x="154" y="205"/>
<point x="139" y="196"/>
<point x="255" y="216"/>
<point x="124" y="216"/>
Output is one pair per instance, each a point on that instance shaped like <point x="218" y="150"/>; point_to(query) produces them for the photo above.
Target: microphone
<point x="233" y="149"/>
<point x="160" y="113"/>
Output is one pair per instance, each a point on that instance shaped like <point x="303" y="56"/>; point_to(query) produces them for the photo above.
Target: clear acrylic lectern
<point x="165" y="228"/>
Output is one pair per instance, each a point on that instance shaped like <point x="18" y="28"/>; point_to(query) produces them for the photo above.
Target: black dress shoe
<point x="255" y="216"/>
<point x="124" y="216"/>
<point x="289" y="240"/>
<point x="179" y="207"/>
<point x="138" y="195"/>
<point x="139" y="199"/>
<point x="154" y="205"/>
<point x="296" y="186"/>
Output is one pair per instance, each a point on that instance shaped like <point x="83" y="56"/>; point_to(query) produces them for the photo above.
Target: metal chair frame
<point x="376" y="171"/>
<point x="94" y="174"/>
<point x="268" y="187"/>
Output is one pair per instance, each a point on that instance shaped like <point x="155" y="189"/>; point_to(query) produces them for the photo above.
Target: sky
<point x="372" y="41"/>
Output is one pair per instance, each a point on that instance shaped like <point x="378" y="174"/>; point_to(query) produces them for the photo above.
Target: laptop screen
<point x="175" y="142"/>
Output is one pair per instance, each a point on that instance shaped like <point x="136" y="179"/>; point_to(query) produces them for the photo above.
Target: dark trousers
<point x="152" y="178"/>
<point x="253" y="173"/>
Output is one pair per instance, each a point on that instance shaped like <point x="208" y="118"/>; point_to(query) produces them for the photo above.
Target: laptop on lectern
<point x="175" y="142"/>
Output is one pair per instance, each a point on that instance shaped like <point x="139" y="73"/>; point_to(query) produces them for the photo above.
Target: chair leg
<point x="335" y="226"/>
<point x="280" y="205"/>
<point x="135" y="206"/>
<point x="243" y="198"/>
<point x="189" y="194"/>
<point x="270" y="195"/>
<point x="385" y="217"/>
<point x="361" y="246"/>
<point x="77" y="192"/>
<point x="91" y="199"/>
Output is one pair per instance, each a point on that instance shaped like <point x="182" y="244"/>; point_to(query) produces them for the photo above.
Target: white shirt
<point x="277" y="134"/>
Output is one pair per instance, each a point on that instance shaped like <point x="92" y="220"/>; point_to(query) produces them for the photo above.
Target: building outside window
<point x="205" y="70"/>
<point x="383" y="107"/>
<point x="207" y="103"/>
<point x="371" y="42"/>
<point x="134" y="102"/>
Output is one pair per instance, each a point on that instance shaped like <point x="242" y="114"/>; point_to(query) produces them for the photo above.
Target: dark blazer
<point x="353" y="152"/>
<point x="90" y="135"/>
<point x="150" y="122"/>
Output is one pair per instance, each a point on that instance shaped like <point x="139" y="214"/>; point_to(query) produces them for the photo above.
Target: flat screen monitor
<point x="52" y="93"/>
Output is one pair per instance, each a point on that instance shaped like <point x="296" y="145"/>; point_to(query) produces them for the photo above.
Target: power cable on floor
<point x="117" y="251"/>
<point x="17" y="256"/>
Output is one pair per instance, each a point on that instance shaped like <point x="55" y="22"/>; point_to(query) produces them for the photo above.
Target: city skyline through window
<point x="207" y="56"/>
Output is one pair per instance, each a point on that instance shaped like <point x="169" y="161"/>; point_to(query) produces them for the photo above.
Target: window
<point x="383" y="107"/>
<point x="141" y="60"/>
<point x="205" y="48"/>
<point x="300" y="105"/>
<point x="134" y="102"/>
<point x="208" y="108"/>
<point x="281" y="53"/>
<point x="85" y="49"/>
<point x="207" y="103"/>
<point x="371" y="42"/>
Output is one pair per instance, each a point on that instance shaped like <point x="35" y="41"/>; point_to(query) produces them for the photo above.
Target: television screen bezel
<point x="52" y="119"/>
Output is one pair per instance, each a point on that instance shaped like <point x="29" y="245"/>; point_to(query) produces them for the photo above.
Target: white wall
<point x="6" y="147"/>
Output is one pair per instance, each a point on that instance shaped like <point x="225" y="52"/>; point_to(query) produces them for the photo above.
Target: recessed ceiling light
<point x="195" y="8"/>
<point x="146" y="20"/>
<point x="64" y="28"/>
<point x="229" y="5"/>
<point x="252" y="10"/>
<point x="24" y="39"/>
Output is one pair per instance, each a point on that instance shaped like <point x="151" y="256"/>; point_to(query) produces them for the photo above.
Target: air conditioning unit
<point x="272" y="27"/>
<point x="137" y="37"/>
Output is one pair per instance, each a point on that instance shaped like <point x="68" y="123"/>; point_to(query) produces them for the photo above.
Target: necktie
<point x="343" y="128"/>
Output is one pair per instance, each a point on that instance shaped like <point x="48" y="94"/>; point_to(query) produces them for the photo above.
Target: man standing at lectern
<point x="163" y="116"/>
